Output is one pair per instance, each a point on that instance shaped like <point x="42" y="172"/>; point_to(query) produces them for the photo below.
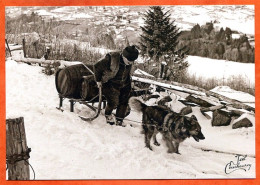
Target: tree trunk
<point x="17" y="152"/>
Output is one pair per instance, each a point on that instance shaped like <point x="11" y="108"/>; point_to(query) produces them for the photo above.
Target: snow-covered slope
<point x="65" y="147"/>
<point x="236" y="95"/>
<point x="221" y="70"/>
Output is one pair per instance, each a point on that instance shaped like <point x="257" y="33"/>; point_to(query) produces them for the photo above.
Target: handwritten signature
<point x="238" y="164"/>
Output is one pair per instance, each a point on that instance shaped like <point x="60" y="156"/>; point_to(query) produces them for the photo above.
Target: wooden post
<point x="71" y="105"/>
<point x="24" y="51"/>
<point x="17" y="152"/>
<point x="35" y="47"/>
<point x="8" y="47"/>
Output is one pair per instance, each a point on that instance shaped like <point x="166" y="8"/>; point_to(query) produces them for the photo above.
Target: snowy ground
<point x="222" y="70"/>
<point x="65" y="147"/>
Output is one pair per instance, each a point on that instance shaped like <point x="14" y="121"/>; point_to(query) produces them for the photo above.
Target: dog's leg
<point x="147" y="137"/>
<point x="177" y="147"/>
<point x="155" y="142"/>
<point x="171" y="148"/>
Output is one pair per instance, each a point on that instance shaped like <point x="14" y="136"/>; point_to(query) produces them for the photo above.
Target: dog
<point x="174" y="127"/>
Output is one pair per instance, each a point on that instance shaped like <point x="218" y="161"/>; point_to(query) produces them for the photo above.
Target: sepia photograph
<point x="130" y="92"/>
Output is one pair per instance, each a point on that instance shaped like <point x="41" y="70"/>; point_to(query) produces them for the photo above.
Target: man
<point x="112" y="73"/>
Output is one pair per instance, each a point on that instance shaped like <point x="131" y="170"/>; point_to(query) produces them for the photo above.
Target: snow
<point x="234" y="139"/>
<point x="65" y="147"/>
<point x="236" y="95"/>
<point x="141" y="72"/>
<point x="45" y="13"/>
<point x="130" y="28"/>
<point x="221" y="70"/>
<point x="243" y="116"/>
<point x="236" y="36"/>
<point x="239" y="18"/>
<point x="82" y="15"/>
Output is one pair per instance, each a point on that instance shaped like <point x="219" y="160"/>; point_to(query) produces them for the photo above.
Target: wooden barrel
<point x="69" y="80"/>
<point x="89" y="89"/>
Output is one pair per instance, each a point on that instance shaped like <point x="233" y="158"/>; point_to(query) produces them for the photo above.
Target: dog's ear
<point x="187" y="121"/>
<point x="193" y="117"/>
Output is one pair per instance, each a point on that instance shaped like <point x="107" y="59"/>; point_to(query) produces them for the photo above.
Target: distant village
<point x="115" y="19"/>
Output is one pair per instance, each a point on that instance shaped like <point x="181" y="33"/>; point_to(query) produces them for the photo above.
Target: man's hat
<point x="130" y="53"/>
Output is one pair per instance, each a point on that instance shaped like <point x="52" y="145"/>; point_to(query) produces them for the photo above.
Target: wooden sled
<point x="89" y="104"/>
<point x="77" y="83"/>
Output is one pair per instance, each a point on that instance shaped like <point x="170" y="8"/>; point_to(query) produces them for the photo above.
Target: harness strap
<point x="165" y="126"/>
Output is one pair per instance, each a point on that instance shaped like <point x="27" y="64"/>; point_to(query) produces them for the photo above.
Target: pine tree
<point x="159" y="34"/>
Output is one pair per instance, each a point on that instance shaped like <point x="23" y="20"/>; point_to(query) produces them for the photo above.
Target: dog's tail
<point x="137" y="104"/>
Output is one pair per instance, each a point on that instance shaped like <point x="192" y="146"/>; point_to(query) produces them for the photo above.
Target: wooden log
<point x="187" y="103"/>
<point x="187" y="86"/>
<point x="17" y="152"/>
<point x="45" y="62"/>
<point x="167" y="86"/>
<point x="206" y="109"/>
<point x="197" y="91"/>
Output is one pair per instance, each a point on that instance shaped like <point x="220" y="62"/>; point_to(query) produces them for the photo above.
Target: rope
<point x="24" y="156"/>
<point x="12" y="159"/>
<point x="131" y="120"/>
<point x="32" y="169"/>
<point x="89" y="69"/>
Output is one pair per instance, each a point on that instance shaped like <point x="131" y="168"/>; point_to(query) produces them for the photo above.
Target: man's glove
<point x="99" y="84"/>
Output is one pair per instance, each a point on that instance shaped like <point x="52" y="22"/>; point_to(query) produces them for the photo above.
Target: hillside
<point x="221" y="14"/>
<point x="120" y="18"/>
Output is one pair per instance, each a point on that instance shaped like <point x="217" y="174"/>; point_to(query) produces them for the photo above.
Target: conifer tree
<point x="159" y="34"/>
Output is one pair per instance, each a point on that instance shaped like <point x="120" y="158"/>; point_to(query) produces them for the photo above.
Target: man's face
<point x="127" y="62"/>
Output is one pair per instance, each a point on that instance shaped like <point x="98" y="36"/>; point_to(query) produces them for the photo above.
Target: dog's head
<point x="189" y="126"/>
<point x="194" y="128"/>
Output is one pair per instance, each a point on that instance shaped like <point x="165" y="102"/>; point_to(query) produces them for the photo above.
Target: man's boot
<point x="119" y="122"/>
<point x="110" y="119"/>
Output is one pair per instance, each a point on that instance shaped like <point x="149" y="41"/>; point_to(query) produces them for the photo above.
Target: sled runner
<point x="77" y="83"/>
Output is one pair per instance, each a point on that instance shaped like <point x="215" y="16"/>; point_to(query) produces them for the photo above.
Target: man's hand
<point x="99" y="84"/>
